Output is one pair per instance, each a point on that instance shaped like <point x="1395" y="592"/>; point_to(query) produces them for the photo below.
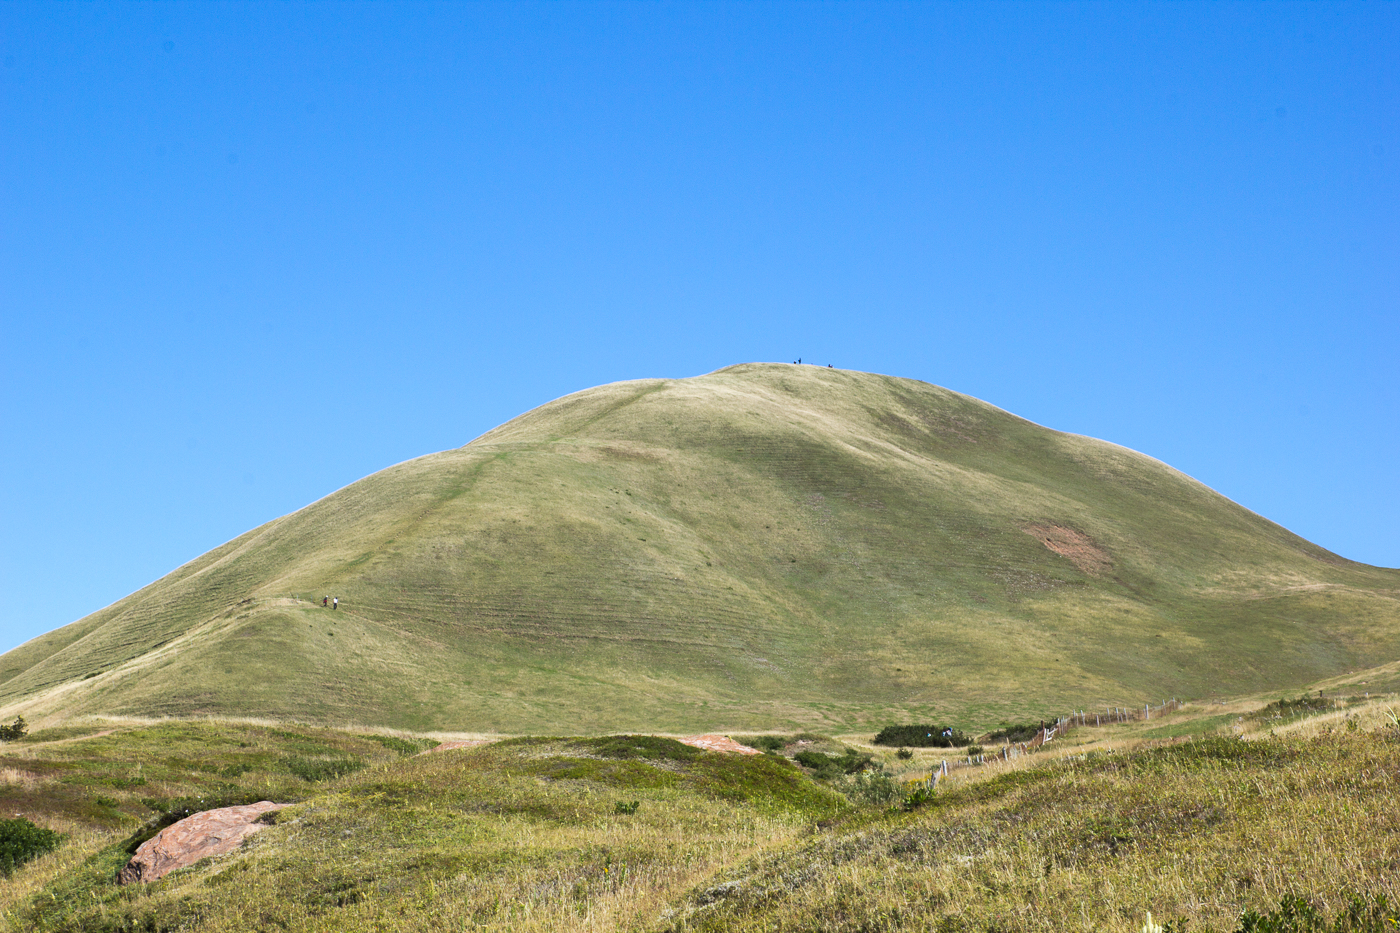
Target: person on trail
<point x="335" y="603"/>
<point x="324" y="600"/>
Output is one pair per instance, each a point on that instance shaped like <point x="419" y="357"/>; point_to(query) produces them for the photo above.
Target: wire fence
<point x="1051" y="731"/>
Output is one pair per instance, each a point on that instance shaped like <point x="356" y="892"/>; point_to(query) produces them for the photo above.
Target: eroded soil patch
<point x="1075" y="545"/>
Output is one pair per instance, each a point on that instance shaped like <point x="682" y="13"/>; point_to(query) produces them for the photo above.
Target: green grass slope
<point x="767" y="545"/>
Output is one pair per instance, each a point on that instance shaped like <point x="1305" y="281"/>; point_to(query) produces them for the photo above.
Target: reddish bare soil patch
<point x="718" y="743"/>
<point x="200" y="835"/>
<point x="1075" y="545"/>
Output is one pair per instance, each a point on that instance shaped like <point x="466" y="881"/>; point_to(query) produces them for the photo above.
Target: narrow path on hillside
<point x="76" y="738"/>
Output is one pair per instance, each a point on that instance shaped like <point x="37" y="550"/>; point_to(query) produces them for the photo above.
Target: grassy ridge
<point x="766" y="546"/>
<point x="526" y="834"/>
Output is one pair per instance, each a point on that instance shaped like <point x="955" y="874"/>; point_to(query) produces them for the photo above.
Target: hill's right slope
<point x="763" y="545"/>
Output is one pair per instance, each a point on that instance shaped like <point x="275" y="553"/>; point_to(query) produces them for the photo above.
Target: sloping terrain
<point x="764" y="546"/>
<point x="1295" y="832"/>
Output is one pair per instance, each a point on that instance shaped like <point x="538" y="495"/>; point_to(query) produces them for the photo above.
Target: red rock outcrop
<point x="199" y="835"/>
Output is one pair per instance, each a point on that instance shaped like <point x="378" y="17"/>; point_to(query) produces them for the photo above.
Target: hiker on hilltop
<point x="335" y="603"/>
<point x="324" y="600"/>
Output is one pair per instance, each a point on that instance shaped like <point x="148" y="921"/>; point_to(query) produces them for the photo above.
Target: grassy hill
<point x="764" y="546"/>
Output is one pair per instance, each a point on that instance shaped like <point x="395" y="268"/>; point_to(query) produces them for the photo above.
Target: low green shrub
<point x="1299" y="707"/>
<point x="316" y="770"/>
<point x="922" y="736"/>
<point x="403" y="746"/>
<point x="1015" y="732"/>
<point x="870" y="787"/>
<point x="16" y="730"/>
<point x="919" y="795"/>
<point x="771" y="744"/>
<point x="21" y="840"/>
<point x="1298" y="915"/>
<point x="628" y="807"/>
<point x="830" y="767"/>
<point x="639" y="746"/>
<point x="904" y="754"/>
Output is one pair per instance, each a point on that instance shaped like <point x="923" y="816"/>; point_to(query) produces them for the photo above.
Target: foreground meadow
<point x="1295" y="830"/>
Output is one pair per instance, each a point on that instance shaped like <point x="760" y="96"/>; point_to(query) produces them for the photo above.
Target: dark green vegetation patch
<point x="1295" y="914"/>
<point x="21" y="840"/>
<point x="1288" y="710"/>
<point x="941" y="736"/>
<point x="15" y="730"/>
<point x="1016" y="732"/>
<point x="652" y="747"/>
<point x="829" y="767"/>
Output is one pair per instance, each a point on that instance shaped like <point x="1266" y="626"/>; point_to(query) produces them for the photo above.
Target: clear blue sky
<point x="250" y="253"/>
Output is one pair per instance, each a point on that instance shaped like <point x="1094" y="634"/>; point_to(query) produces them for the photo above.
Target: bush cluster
<point x="922" y="736"/>
<point x="1286" y="708"/>
<point x="1297" y="915"/>
<point x="1016" y="732"/>
<point x="16" y="730"/>
<point x="772" y="744"/>
<point x="21" y="840"/>
<point x="830" y="767"/>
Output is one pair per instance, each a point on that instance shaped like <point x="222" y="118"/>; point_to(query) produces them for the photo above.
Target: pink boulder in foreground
<point x="200" y="835"/>
<point x="718" y="743"/>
